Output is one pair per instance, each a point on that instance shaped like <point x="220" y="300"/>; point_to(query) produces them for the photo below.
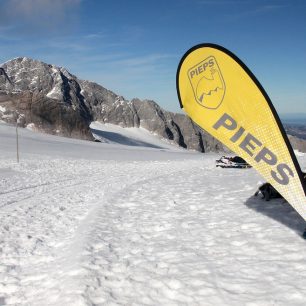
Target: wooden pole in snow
<point x="17" y="140"/>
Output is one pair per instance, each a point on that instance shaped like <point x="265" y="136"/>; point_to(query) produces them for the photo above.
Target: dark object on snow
<point x="304" y="234"/>
<point x="238" y="159"/>
<point x="268" y="192"/>
<point x="232" y="162"/>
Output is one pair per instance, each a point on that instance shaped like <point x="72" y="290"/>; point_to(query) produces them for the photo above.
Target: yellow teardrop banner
<point x="221" y="95"/>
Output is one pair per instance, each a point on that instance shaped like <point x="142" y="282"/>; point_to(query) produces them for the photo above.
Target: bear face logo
<point x="207" y="83"/>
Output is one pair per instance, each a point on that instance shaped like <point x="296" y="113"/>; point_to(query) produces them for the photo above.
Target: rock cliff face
<point x="58" y="102"/>
<point x="44" y="95"/>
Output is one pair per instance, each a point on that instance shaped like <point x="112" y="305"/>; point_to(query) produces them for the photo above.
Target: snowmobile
<point x="232" y="162"/>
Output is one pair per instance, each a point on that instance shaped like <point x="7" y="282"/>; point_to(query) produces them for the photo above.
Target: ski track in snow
<point x="180" y="232"/>
<point x="141" y="233"/>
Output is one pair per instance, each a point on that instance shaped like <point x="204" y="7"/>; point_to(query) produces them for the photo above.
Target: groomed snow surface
<point x="85" y="223"/>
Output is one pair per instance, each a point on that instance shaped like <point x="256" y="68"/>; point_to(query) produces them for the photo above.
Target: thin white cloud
<point x="5" y="28"/>
<point x="220" y="2"/>
<point x="247" y="7"/>
<point x="269" y="8"/>
<point x="72" y="46"/>
<point x="5" y="33"/>
<point x="95" y="35"/>
<point x="39" y="15"/>
<point x="255" y="10"/>
<point x="30" y="8"/>
<point x="143" y="60"/>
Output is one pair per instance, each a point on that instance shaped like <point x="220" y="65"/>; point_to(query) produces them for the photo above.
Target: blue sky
<point x="133" y="47"/>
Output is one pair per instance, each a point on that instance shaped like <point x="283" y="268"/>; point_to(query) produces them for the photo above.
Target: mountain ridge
<point x="58" y="102"/>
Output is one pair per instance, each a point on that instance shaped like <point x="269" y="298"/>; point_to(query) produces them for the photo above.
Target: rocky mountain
<point x="54" y="101"/>
<point x="57" y="102"/>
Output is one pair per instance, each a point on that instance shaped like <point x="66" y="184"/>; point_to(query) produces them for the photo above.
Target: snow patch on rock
<point x="55" y="93"/>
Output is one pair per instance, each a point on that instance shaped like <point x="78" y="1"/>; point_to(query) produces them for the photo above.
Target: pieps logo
<point x="207" y="83"/>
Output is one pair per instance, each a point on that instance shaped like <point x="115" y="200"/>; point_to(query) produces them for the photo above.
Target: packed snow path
<point x="163" y="232"/>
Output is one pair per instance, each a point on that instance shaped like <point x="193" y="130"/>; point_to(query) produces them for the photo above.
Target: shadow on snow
<point x="279" y="210"/>
<point x="123" y="140"/>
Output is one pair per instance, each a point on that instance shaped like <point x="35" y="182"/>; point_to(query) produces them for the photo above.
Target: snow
<point x="298" y="153"/>
<point x="34" y="82"/>
<point x="2" y="109"/>
<point x="54" y="93"/>
<point x="7" y="116"/>
<point x="54" y="70"/>
<point x="31" y="127"/>
<point x="83" y="92"/>
<point x="65" y="72"/>
<point x="85" y="223"/>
